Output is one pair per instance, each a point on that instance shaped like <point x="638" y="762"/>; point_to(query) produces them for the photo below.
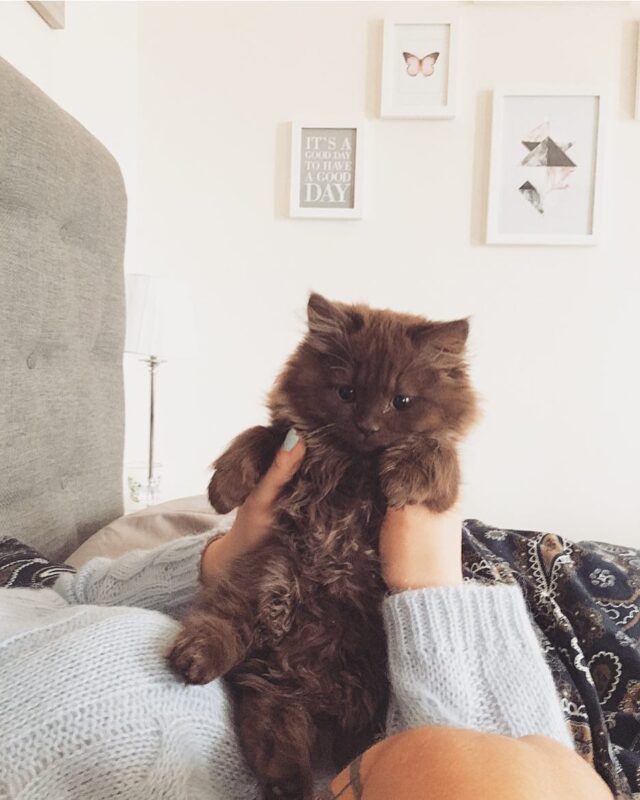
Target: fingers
<point x="284" y="467"/>
<point x="253" y="523"/>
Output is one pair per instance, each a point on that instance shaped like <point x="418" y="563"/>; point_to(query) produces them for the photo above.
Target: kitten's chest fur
<point x="328" y="523"/>
<point x="320" y="588"/>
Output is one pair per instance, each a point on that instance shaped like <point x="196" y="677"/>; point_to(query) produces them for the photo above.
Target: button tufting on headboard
<point x="62" y="228"/>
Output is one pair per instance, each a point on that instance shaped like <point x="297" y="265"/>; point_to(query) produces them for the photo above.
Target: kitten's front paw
<point x="241" y="466"/>
<point x="228" y="488"/>
<point x="426" y="473"/>
<point x="198" y="655"/>
<point x="400" y="487"/>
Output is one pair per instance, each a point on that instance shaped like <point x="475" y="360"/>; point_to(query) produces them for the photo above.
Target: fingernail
<point x="290" y="441"/>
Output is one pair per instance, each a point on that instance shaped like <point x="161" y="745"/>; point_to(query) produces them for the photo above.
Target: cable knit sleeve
<point x="468" y="657"/>
<point x="163" y="579"/>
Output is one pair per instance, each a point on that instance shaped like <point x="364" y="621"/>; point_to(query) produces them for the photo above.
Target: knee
<point x="443" y="763"/>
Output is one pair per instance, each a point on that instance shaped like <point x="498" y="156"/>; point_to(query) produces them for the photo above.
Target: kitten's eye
<point x="347" y="393"/>
<point x="401" y="402"/>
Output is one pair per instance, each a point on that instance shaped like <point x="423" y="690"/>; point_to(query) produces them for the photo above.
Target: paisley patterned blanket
<point x="584" y="598"/>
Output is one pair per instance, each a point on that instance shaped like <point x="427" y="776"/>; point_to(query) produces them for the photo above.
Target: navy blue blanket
<point x="585" y="600"/>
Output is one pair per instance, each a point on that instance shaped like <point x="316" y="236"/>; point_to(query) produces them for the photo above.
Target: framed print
<point x="418" y="69"/>
<point x="326" y="170"/>
<point x="51" y="11"/>
<point x="546" y="154"/>
<point x="637" y="112"/>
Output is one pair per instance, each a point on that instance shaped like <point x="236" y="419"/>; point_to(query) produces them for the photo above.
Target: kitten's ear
<point x="322" y="314"/>
<point x="328" y="319"/>
<point x="448" y="337"/>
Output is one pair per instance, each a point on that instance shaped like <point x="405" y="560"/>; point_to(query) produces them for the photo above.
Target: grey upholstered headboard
<point x="62" y="229"/>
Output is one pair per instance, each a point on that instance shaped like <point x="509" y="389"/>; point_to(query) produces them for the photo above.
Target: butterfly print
<point x="424" y="65"/>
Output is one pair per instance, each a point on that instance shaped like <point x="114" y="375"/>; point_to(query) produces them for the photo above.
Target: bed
<point x="62" y="315"/>
<point x="62" y="233"/>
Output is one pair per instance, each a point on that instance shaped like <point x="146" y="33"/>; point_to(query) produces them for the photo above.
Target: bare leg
<point x="442" y="763"/>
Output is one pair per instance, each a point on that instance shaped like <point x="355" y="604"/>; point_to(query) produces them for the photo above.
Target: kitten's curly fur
<point x="295" y="627"/>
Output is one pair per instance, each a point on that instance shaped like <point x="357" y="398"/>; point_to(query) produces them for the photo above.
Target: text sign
<point x="327" y="166"/>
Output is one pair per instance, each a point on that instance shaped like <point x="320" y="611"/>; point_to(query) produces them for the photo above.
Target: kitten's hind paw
<point x="200" y="655"/>
<point x="292" y="789"/>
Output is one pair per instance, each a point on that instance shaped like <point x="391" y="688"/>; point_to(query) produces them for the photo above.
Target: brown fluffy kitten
<point x="381" y="400"/>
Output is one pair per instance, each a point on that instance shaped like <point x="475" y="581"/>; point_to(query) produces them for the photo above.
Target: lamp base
<point x="145" y="492"/>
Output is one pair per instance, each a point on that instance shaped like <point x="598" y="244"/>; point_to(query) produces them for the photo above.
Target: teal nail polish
<point x="291" y="440"/>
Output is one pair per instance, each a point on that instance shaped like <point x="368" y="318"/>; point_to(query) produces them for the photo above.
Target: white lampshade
<point x="160" y="317"/>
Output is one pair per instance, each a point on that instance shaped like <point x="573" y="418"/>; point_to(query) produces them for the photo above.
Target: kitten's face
<point x="370" y="378"/>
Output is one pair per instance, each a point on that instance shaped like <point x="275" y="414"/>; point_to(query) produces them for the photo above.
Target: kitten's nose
<point x="367" y="426"/>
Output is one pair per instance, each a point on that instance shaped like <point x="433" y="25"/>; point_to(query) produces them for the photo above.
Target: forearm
<point x="164" y="579"/>
<point x="168" y="578"/>
<point x="467" y="657"/>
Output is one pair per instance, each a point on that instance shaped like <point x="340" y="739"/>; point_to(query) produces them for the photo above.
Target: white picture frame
<point x="51" y="11"/>
<point x="418" y="87"/>
<point x="327" y="179"/>
<point x="545" y="180"/>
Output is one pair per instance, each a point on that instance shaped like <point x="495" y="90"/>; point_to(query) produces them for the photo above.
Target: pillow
<point x="151" y="527"/>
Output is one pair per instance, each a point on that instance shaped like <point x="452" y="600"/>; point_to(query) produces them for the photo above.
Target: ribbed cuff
<point x="63" y="585"/>
<point x="179" y="573"/>
<point x="469" y="618"/>
<point x="165" y="578"/>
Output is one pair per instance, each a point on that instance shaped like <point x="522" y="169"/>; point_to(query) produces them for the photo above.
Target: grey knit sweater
<point x="89" y="708"/>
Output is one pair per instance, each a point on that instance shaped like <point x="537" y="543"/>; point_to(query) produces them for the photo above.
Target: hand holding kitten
<point x="419" y="547"/>
<point x="253" y="520"/>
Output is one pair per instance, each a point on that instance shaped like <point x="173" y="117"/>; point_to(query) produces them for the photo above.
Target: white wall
<point x="554" y="342"/>
<point x="89" y="69"/>
<point x="555" y="332"/>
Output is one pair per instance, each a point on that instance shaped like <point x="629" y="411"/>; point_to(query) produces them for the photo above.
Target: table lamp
<point x="160" y="327"/>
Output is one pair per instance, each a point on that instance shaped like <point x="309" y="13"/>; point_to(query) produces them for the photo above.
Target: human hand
<point x="420" y="548"/>
<point x="252" y="524"/>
